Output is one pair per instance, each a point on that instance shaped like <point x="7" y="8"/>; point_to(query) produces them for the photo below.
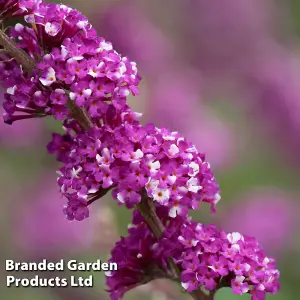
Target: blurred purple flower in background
<point x="270" y="214"/>
<point x="26" y="134"/>
<point x="160" y="289"/>
<point x="272" y="84"/>
<point x="219" y="45"/>
<point x="105" y="232"/>
<point x="149" y="46"/>
<point x="244" y="47"/>
<point x="42" y="227"/>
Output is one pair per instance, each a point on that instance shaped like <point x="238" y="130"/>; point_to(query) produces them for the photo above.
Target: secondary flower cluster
<point x="73" y="64"/>
<point x="132" y="158"/>
<point x="137" y="258"/>
<point x="208" y="258"/>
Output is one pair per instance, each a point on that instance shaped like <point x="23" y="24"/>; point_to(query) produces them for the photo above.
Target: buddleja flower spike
<point x="57" y="66"/>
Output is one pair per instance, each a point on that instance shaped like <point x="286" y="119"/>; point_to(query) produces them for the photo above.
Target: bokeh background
<point x="226" y="74"/>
